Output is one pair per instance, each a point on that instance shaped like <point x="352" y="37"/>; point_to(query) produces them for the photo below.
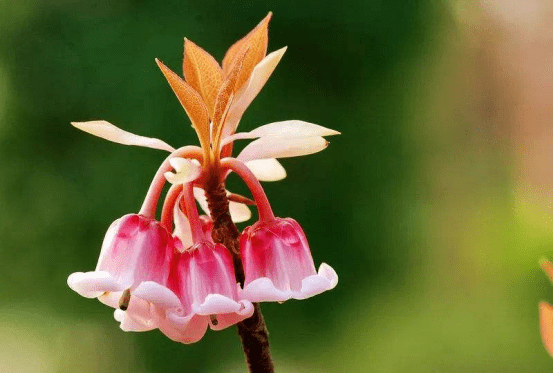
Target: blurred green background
<point x="433" y="206"/>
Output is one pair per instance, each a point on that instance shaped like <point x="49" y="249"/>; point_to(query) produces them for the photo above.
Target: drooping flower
<point x="136" y="252"/>
<point x="203" y="282"/>
<point x="275" y="254"/>
<point x="278" y="264"/>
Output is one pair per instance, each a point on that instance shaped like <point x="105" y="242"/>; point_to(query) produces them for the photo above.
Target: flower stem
<point x="168" y="206"/>
<point x="149" y="205"/>
<point x="263" y="206"/>
<point x="192" y="212"/>
<point x="253" y="331"/>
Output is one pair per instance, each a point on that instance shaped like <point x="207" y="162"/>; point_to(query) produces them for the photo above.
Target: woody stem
<point x="253" y="331"/>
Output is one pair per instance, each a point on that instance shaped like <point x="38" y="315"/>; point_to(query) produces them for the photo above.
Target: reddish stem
<point x="169" y="205"/>
<point x="263" y="206"/>
<point x="192" y="212"/>
<point x="149" y="206"/>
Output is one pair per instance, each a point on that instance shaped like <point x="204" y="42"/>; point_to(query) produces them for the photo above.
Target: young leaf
<point x="225" y="97"/>
<point x="256" y="41"/>
<point x="202" y="72"/>
<point x="192" y="103"/>
<point x="247" y="93"/>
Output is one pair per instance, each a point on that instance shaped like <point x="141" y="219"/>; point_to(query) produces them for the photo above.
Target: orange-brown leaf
<point x="225" y="96"/>
<point x="191" y="101"/>
<point x="256" y="41"/>
<point x="202" y="72"/>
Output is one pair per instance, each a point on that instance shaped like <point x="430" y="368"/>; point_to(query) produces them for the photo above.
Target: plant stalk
<point x="253" y="331"/>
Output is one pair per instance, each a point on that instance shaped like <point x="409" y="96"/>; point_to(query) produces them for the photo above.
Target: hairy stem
<point x="253" y="331"/>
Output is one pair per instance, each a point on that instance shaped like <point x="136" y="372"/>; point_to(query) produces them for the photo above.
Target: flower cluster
<point x="169" y="273"/>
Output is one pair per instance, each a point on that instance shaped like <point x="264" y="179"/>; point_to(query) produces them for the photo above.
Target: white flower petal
<point x="187" y="170"/>
<point x="111" y="299"/>
<point x="188" y="329"/>
<point x="239" y="212"/>
<point x="184" y="164"/>
<point x="199" y="194"/>
<point x="325" y="279"/>
<point x="137" y="318"/>
<point x="227" y="319"/>
<point x="263" y="289"/>
<point x="118" y="315"/>
<point x="268" y="169"/>
<point x="157" y="294"/>
<point x="182" y="227"/>
<point x="214" y="304"/>
<point x="171" y="177"/>
<point x="251" y="88"/>
<point x="281" y="147"/>
<point x="94" y="283"/>
<point x="287" y="128"/>
<point x="129" y="324"/>
<point x="108" y="131"/>
<point x="180" y="177"/>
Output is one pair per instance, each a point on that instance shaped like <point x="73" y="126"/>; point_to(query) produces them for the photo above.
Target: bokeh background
<point x="434" y="206"/>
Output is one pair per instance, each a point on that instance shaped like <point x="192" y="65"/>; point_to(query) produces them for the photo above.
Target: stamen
<point x="214" y="320"/>
<point x="125" y="299"/>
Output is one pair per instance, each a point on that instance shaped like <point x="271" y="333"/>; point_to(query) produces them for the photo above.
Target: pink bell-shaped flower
<point x="134" y="264"/>
<point x="278" y="263"/>
<point x="203" y="282"/>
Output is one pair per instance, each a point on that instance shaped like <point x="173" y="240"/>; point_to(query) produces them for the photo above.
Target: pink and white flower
<point x="202" y="282"/>
<point x="278" y="263"/>
<point x="134" y="260"/>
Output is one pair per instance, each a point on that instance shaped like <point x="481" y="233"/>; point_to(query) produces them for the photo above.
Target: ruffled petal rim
<point x="157" y="294"/>
<point x="128" y="323"/>
<point x="228" y="319"/>
<point x="94" y="283"/>
<point x="183" y="329"/>
<point x="215" y="304"/>
<point x="264" y="290"/>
